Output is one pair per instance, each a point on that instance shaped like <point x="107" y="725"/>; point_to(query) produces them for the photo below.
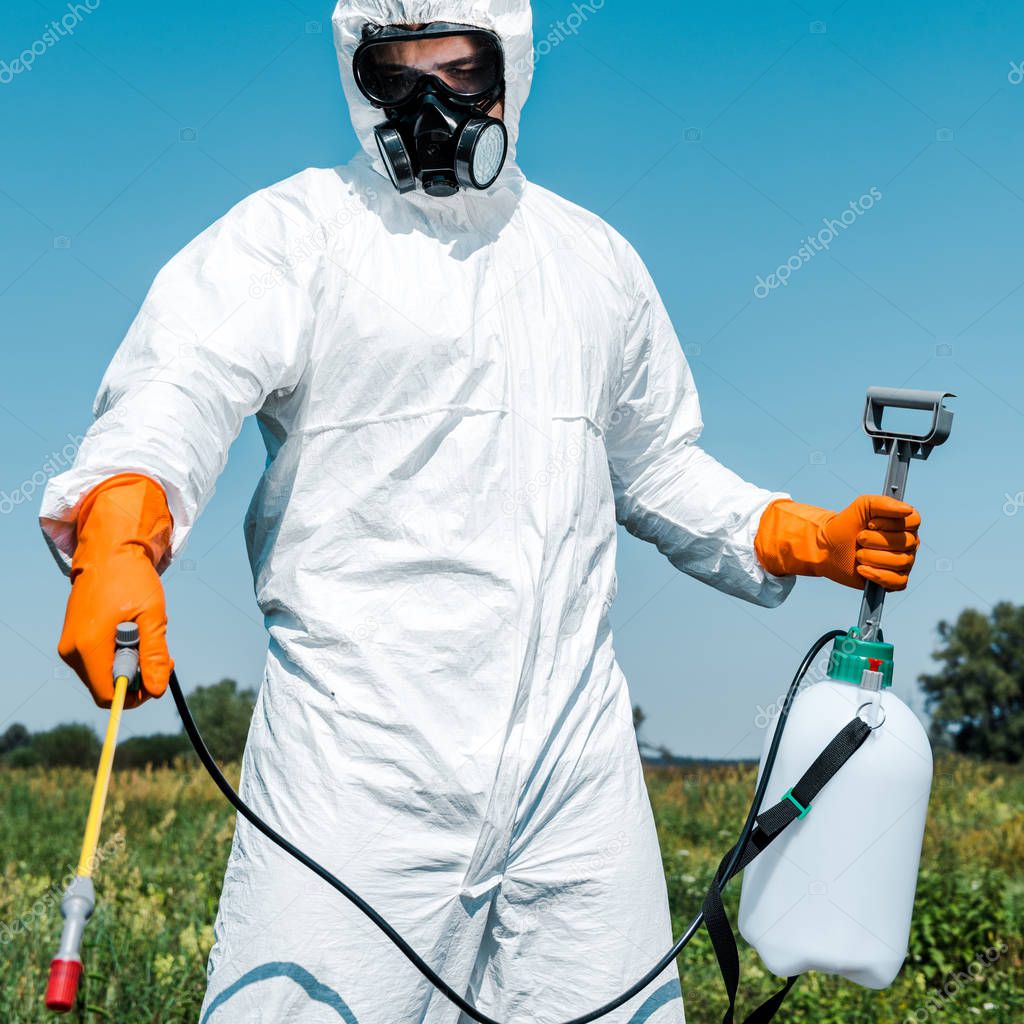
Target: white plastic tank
<point x="835" y="892"/>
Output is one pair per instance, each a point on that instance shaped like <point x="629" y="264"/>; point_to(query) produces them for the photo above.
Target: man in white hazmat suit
<point x="459" y="393"/>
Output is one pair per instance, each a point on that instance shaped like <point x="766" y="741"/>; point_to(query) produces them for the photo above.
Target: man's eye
<point x="396" y="80"/>
<point x="468" y="73"/>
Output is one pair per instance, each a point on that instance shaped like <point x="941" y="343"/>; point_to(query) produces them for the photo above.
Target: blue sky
<point x="716" y="137"/>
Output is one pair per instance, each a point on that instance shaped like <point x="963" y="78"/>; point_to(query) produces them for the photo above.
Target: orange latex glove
<point x="874" y="539"/>
<point x="124" y="529"/>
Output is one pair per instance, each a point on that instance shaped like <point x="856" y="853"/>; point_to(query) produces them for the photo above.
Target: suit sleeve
<point x="227" y="322"/>
<point x="668" y="490"/>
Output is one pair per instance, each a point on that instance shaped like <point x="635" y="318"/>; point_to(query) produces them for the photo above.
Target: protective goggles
<point x="392" y="62"/>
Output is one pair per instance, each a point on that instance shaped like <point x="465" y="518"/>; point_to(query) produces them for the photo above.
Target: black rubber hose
<point x="410" y="954"/>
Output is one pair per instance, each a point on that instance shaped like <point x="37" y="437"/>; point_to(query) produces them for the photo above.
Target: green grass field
<point x="167" y="835"/>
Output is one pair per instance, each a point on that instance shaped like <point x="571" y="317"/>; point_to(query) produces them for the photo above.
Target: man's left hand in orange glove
<point x="875" y="539"/>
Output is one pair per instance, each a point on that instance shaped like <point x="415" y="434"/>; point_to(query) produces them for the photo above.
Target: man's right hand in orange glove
<point x="873" y="539"/>
<point x="124" y="530"/>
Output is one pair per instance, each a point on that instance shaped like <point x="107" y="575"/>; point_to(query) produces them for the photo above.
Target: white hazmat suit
<point x="458" y="397"/>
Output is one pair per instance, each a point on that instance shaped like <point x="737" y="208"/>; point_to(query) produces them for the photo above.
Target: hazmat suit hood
<point x="510" y="20"/>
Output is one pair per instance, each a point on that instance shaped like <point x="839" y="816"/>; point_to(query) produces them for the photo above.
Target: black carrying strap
<point x="770" y="825"/>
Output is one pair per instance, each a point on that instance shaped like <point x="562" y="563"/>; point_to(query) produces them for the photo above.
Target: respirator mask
<point x="435" y="85"/>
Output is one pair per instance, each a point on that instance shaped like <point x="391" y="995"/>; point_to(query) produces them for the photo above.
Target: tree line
<point x="975" y="700"/>
<point x="222" y="711"/>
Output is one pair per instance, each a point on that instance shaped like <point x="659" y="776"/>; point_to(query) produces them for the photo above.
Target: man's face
<point x="456" y="60"/>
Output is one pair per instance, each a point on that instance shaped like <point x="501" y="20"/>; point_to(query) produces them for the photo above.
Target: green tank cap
<point x="851" y="656"/>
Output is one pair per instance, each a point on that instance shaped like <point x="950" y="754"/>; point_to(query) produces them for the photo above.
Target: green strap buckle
<point x="804" y="811"/>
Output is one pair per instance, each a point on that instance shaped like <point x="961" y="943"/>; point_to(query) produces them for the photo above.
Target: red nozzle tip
<point x="875" y="664"/>
<point x="63" y="985"/>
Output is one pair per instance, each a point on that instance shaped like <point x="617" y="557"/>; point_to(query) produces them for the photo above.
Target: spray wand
<point x="80" y="899"/>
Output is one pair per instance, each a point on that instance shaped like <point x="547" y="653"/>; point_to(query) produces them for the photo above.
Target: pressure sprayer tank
<point x="834" y="893"/>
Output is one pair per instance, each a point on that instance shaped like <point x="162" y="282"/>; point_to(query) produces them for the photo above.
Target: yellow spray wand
<point x="80" y="900"/>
